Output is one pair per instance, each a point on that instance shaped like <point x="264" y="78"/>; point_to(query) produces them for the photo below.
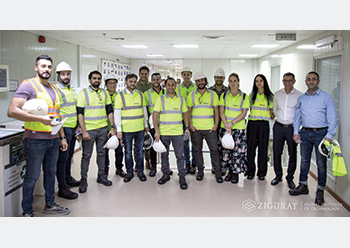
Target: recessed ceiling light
<point x="305" y="47"/>
<point x="134" y="46"/>
<point x="265" y="45"/>
<point x="186" y="46"/>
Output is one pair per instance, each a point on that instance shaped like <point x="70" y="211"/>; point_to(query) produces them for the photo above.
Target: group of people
<point x="178" y="114"/>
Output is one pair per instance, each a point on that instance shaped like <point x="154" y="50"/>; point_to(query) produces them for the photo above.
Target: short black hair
<point x="131" y="76"/>
<point x="144" y="68"/>
<point x="94" y="72"/>
<point x="156" y="74"/>
<point x="289" y="74"/>
<point x="43" y="56"/>
<point x="170" y="78"/>
<point x="313" y="72"/>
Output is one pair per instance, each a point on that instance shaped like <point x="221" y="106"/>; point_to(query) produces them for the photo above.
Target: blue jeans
<point x="310" y="140"/>
<point x="65" y="158"/>
<point x="129" y="139"/>
<point x="45" y="152"/>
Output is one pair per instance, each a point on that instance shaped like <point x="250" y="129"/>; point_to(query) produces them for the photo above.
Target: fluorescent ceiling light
<point x="186" y="46"/>
<point x="134" y="46"/>
<point x="248" y="55"/>
<point x="155" y="55"/>
<point x="306" y="47"/>
<point x="265" y="46"/>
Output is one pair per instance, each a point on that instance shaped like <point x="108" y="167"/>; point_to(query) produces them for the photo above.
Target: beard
<point x="44" y="75"/>
<point x="201" y="86"/>
<point x="65" y="81"/>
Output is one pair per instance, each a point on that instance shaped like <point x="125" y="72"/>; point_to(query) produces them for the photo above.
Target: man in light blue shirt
<point x="315" y="112"/>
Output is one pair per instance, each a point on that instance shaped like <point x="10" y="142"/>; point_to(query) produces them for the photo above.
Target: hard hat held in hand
<point x="159" y="147"/>
<point x="36" y="107"/>
<point x="112" y="143"/>
<point x="228" y="142"/>
<point x="147" y="141"/>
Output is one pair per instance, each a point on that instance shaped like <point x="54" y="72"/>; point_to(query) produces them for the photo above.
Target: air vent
<point x="117" y="38"/>
<point x="213" y="37"/>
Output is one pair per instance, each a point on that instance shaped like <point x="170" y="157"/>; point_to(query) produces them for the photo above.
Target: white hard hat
<point x="147" y="141"/>
<point x="36" y="107"/>
<point x="112" y="143"/>
<point x="219" y="72"/>
<point x="186" y="68"/>
<point x="111" y="76"/>
<point x="159" y="147"/>
<point x="227" y="141"/>
<point x="63" y="66"/>
<point x="199" y="75"/>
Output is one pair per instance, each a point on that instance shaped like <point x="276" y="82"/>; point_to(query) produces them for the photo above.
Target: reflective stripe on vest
<point x="132" y="120"/>
<point x="163" y="111"/>
<point x="231" y="108"/>
<point x="53" y="107"/>
<point x="68" y="108"/>
<point x="89" y="107"/>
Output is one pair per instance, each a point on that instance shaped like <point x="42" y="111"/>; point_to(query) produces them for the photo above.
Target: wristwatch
<point x="113" y="126"/>
<point x="188" y="128"/>
<point x="61" y="138"/>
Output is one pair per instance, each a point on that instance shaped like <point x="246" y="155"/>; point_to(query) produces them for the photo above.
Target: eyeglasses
<point x="287" y="81"/>
<point x="200" y="99"/>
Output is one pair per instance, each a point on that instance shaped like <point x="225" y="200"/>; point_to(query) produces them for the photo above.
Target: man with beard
<point x="68" y="110"/>
<point x="131" y="120"/>
<point x="150" y="97"/>
<point x="170" y="109"/>
<point x="40" y="146"/>
<point x="219" y="87"/>
<point x="94" y="107"/>
<point x="204" y="120"/>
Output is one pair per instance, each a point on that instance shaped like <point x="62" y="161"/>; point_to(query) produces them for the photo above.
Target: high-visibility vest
<point x="183" y="91"/>
<point x="170" y="114"/>
<point x="68" y="104"/>
<point x="151" y="97"/>
<point x="260" y="109"/>
<point x="338" y="163"/>
<point x="53" y="107"/>
<point x="94" y="104"/>
<point x="131" y="110"/>
<point x="202" y="113"/>
<point x="113" y="104"/>
<point x="234" y="107"/>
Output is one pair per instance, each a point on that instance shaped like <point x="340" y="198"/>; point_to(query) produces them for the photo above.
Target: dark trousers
<point x="211" y="139"/>
<point x="258" y="136"/>
<point x="280" y="135"/>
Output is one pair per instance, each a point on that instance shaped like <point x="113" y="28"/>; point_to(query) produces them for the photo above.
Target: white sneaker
<point x="56" y="209"/>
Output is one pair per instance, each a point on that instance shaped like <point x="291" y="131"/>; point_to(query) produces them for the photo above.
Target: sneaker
<point x="56" y="209"/>
<point x="302" y="189"/>
<point x="28" y="214"/>
<point x="319" y="200"/>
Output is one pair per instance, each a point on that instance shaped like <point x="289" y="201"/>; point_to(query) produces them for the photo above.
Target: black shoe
<point x="66" y="193"/>
<point x="291" y="184"/>
<point x="302" y="189"/>
<point x="228" y="176"/>
<point x="183" y="184"/>
<point x="128" y="177"/>
<point x="83" y="185"/>
<point x="171" y="172"/>
<point x="261" y="178"/>
<point x="164" y="178"/>
<point x="120" y="172"/>
<point x="153" y="171"/>
<point x="319" y="200"/>
<point x="72" y="182"/>
<point x="200" y="175"/>
<point x="218" y="177"/>
<point x="104" y="181"/>
<point x="192" y="169"/>
<point x="276" y="180"/>
<point x="235" y="178"/>
<point x="142" y="176"/>
<point x="250" y="177"/>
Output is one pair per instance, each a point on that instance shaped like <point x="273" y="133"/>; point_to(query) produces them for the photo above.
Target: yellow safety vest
<point x="260" y="110"/>
<point x="170" y="114"/>
<point x="151" y="97"/>
<point x="53" y="107"/>
<point x="94" y="104"/>
<point x="234" y="107"/>
<point x="182" y="90"/>
<point x="202" y="113"/>
<point x="131" y="110"/>
<point x="68" y="105"/>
